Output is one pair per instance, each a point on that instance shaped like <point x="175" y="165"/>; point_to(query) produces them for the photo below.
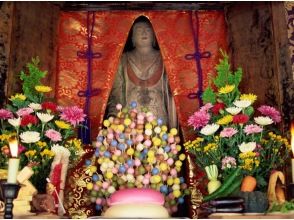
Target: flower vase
<point x="38" y="179"/>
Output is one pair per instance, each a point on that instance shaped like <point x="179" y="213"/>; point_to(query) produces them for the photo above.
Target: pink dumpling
<point x="135" y="195"/>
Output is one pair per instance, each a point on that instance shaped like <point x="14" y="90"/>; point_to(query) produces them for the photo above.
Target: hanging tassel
<point x="84" y="131"/>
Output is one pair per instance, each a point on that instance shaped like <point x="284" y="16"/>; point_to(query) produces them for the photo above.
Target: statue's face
<point x="143" y="34"/>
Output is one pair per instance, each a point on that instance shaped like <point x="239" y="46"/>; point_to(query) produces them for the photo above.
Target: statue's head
<point x="142" y="33"/>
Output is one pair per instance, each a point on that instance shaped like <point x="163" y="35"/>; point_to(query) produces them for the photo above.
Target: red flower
<point x="28" y="119"/>
<point x="49" y="106"/>
<point x="240" y="119"/>
<point x="217" y="107"/>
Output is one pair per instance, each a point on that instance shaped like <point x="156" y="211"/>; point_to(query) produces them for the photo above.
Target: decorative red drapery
<point x="175" y="37"/>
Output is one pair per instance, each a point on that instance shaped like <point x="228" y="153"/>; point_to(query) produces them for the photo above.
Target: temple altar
<point x="189" y="42"/>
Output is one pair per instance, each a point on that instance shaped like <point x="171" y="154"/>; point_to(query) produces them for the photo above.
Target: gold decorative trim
<point x="196" y="195"/>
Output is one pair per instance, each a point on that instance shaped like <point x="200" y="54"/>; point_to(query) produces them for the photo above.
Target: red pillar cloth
<point x="175" y="37"/>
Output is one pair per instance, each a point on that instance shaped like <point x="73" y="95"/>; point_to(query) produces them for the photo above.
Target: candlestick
<point x="9" y="191"/>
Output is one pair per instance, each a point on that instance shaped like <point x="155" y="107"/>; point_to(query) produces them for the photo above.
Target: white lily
<point x="35" y="106"/>
<point x="242" y="103"/>
<point x="263" y="120"/>
<point x="247" y="147"/>
<point x="30" y="137"/>
<point x="209" y="129"/>
<point x="44" y="117"/>
<point x="15" y="122"/>
<point x="234" y="110"/>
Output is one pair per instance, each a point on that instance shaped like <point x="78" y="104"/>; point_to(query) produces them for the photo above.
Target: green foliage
<point x="284" y="207"/>
<point x="208" y="96"/>
<point x="32" y="79"/>
<point x="224" y="77"/>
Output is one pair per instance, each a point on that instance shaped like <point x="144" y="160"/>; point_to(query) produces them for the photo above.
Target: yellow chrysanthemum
<point x="6" y="137"/>
<point x="62" y="124"/>
<point x="75" y="143"/>
<point x="30" y="153"/>
<point x="47" y="153"/>
<point x="225" y="120"/>
<point x="226" y="89"/>
<point x="43" y="89"/>
<point x="41" y="144"/>
<point x="251" y="97"/>
<point x="210" y="147"/>
<point x="18" y="96"/>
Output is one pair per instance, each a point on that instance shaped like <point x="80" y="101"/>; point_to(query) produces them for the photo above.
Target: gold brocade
<point x="77" y="201"/>
<point x="196" y="195"/>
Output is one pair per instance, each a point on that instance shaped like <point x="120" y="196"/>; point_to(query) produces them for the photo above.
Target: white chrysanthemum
<point x="247" y="147"/>
<point x="242" y="103"/>
<point x="234" y="110"/>
<point x="209" y="129"/>
<point x="60" y="150"/>
<point x="35" y="106"/>
<point x="263" y="120"/>
<point x="15" y="122"/>
<point x="44" y="117"/>
<point x="30" y="137"/>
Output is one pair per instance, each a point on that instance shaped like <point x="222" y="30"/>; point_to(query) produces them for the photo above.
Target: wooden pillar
<point x="257" y="39"/>
<point x="34" y="33"/>
<point x="5" y="36"/>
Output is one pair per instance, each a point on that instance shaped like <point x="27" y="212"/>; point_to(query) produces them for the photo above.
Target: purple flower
<point x="5" y="114"/>
<point x="228" y="132"/>
<point x="228" y="162"/>
<point x="271" y="112"/>
<point x="53" y="135"/>
<point x="252" y="129"/>
<point x="74" y="115"/>
<point x="199" y="119"/>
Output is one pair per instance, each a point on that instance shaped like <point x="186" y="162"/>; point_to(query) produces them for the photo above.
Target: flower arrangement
<point x="136" y="150"/>
<point x="40" y="126"/>
<point x="231" y="133"/>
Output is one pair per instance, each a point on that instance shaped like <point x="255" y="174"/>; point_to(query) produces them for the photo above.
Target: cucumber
<point x="227" y="184"/>
<point x="236" y="185"/>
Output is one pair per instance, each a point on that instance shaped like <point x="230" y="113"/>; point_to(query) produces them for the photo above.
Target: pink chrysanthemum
<point x="53" y="135"/>
<point x="271" y="112"/>
<point x="199" y="119"/>
<point x="228" y="132"/>
<point x="5" y="114"/>
<point x="74" y="115"/>
<point x="228" y="162"/>
<point x="24" y="111"/>
<point x="252" y="129"/>
<point x="206" y="107"/>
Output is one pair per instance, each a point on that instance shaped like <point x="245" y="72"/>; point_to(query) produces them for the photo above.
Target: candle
<point x="292" y="147"/>
<point x="13" y="163"/>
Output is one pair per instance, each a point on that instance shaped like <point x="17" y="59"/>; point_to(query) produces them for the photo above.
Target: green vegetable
<point x="255" y="201"/>
<point x="233" y="188"/>
<point x="228" y="182"/>
<point x="284" y="207"/>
